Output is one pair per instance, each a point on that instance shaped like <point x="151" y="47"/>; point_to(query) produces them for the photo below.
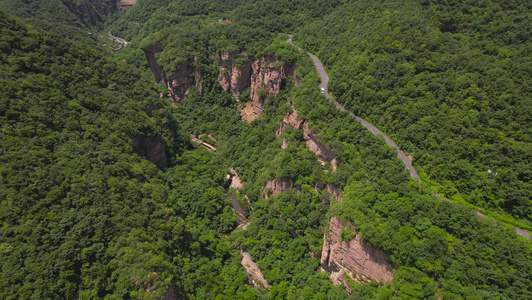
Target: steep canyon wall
<point x="264" y="76"/>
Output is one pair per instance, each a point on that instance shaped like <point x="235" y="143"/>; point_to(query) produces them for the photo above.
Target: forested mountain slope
<point x="70" y="18"/>
<point x="104" y="196"/>
<point x="82" y="214"/>
<point x="448" y="81"/>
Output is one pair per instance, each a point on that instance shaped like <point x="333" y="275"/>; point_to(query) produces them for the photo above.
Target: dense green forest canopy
<point x="85" y="214"/>
<point x="448" y="81"/>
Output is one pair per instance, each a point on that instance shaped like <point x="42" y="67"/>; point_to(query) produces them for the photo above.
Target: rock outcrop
<point x="180" y="82"/>
<point x="234" y="77"/>
<point x="355" y="259"/>
<point x="124" y="5"/>
<point x="265" y="76"/>
<point x="276" y="187"/>
<point x="90" y="12"/>
<point x="156" y="70"/>
<point x="324" y="154"/>
<point x="151" y="148"/>
<point x="267" y="79"/>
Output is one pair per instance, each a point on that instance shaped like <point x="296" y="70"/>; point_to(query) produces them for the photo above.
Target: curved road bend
<point x="373" y="129"/>
<point x="325" y="81"/>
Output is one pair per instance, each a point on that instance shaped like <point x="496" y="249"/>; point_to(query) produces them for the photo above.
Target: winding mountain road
<point x="325" y="81"/>
<point x="408" y="165"/>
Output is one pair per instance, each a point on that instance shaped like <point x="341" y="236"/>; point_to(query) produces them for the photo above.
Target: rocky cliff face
<point x="267" y="79"/>
<point x="324" y="154"/>
<point x="90" y="12"/>
<point x="124" y="5"/>
<point x="276" y="187"/>
<point x="156" y="70"/>
<point x="265" y="76"/>
<point x="180" y="81"/>
<point x="355" y="259"/>
<point x="151" y="147"/>
<point x="234" y="77"/>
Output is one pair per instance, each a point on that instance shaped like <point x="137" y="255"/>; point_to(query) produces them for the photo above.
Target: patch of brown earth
<point x="236" y="183"/>
<point x="247" y="112"/>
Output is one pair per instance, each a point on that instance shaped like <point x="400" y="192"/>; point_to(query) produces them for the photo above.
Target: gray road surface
<point x="325" y="81"/>
<point x="408" y="165"/>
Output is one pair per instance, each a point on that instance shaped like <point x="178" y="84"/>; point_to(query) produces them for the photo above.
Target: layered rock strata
<point x="268" y="75"/>
<point x="265" y="76"/>
<point x="324" y="154"/>
<point x="355" y="258"/>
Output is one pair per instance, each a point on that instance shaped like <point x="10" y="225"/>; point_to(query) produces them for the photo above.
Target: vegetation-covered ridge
<point x="82" y="214"/>
<point x="86" y="214"/>
<point x="447" y="81"/>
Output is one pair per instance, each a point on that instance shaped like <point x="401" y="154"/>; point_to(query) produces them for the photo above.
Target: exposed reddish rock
<point x="324" y="154"/>
<point x="240" y="78"/>
<point x="180" y="82"/>
<point x="266" y="80"/>
<point x="224" y="78"/>
<point x="356" y="259"/>
<point x="289" y="120"/>
<point x="331" y="189"/>
<point x="264" y="76"/>
<point x="277" y="187"/>
<point x="234" y="77"/>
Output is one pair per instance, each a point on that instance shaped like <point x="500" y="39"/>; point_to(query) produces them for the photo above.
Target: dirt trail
<point x="325" y="81"/>
<point x="408" y="165"/>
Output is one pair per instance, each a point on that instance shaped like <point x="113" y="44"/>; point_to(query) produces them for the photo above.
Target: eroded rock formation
<point x="267" y="79"/>
<point x="151" y="148"/>
<point x="355" y="259"/>
<point x="234" y="76"/>
<point x="276" y="187"/>
<point x="124" y="5"/>
<point x="90" y="12"/>
<point x="324" y="154"/>
<point x="265" y="76"/>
